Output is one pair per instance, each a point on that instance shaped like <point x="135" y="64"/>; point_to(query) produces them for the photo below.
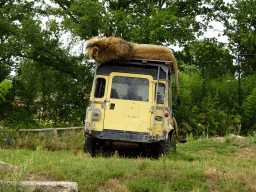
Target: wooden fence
<point x="55" y="130"/>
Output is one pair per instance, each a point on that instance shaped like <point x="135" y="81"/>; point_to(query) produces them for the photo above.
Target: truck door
<point x="128" y="103"/>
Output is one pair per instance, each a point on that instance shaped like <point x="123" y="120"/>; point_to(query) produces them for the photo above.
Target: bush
<point x="248" y="113"/>
<point x="207" y="118"/>
<point x="20" y="118"/>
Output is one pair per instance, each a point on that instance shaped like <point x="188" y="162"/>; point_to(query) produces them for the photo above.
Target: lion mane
<point x="107" y="49"/>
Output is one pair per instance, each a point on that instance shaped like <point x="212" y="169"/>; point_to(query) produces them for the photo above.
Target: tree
<point x="155" y="22"/>
<point x="212" y="113"/>
<point x="240" y="25"/>
<point x="24" y="42"/>
<point x="239" y="21"/>
<point x="58" y="96"/>
<point x="5" y="86"/>
<point x="12" y="13"/>
<point x="47" y="67"/>
<point x="248" y="113"/>
<point x="23" y="37"/>
<point x="208" y="55"/>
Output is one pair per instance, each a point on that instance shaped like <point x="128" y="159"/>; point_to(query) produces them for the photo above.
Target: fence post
<point x="18" y="133"/>
<point x="55" y="132"/>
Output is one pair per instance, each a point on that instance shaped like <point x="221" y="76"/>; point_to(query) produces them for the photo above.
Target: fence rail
<point x="39" y="130"/>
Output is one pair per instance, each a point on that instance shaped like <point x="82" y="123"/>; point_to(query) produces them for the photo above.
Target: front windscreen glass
<point x="130" y="88"/>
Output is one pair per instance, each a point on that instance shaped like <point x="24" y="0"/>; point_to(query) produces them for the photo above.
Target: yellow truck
<point x="131" y="108"/>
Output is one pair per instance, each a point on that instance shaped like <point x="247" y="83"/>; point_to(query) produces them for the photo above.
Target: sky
<point x="217" y="29"/>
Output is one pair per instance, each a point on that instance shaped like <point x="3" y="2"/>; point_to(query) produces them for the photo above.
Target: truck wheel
<point x="168" y="146"/>
<point x="165" y="146"/>
<point x="90" y="146"/>
<point x="150" y="150"/>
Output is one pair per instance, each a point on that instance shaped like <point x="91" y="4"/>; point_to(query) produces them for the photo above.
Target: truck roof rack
<point x="151" y="61"/>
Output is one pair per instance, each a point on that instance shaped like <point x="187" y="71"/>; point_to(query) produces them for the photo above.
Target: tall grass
<point x="66" y="140"/>
<point x="11" y="176"/>
<point x="198" y="165"/>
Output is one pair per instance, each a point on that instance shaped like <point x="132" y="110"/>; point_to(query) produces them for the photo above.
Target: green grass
<point x="201" y="165"/>
<point x="66" y="140"/>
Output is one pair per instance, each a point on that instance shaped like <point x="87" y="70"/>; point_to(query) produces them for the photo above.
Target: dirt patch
<point x="238" y="155"/>
<point x="39" y="176"/>
<point x="251" y="150"/>
<point x="5" y="167"/>
<point x="213" y="176"/>
<point x="128" y="176"/>
<point x="219" y="139"/>
<point x="245" y="153"/>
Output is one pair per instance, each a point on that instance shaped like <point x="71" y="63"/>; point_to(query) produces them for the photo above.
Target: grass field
<point x="220" y="164"/>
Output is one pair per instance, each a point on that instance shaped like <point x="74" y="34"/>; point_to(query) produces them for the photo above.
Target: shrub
<point x="248" y="113"/>
<point x="208" y="118"/>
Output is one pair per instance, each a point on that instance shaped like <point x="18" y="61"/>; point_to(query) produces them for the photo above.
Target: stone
<point x="46" y="186"/>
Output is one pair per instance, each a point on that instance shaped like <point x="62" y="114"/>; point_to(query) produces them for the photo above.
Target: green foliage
<point x="5" y="85"/>
<point x="50" y="94"/>
<point x="248" y="84"/>
<point x="239" y="22"/>
<point x="53" y="78"/>
<point x="143" y="20"/>
<point x="207" y="118"/>
<point x="213" y="114"/>
<point x="82" y="18"/>
<point x="248" y="112"/>
<point x="47" y="68"/>
<point x="210" y="56"/>
<point x="189" y="137"/>
<point x="11" y="14"/>
<point x="227" y="89"/>
<point x="20" y="117"/>
<point x="215" y="119"/>
<point x="242" y="31"/>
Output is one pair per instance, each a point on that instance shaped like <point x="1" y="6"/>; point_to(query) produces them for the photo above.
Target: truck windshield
<point x="130" y="88"/>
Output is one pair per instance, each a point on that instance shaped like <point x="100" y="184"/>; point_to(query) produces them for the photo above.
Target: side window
<point x="100" y="87"/>
<point x="160" y="93"/>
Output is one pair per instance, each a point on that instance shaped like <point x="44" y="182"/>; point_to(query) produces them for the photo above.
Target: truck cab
<point x="130" y="108"/>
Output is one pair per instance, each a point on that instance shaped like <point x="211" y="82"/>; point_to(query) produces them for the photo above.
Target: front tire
<point x="90" y="146"/>
<point x="168" y="146"/>
<point x="165" y="146"/>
